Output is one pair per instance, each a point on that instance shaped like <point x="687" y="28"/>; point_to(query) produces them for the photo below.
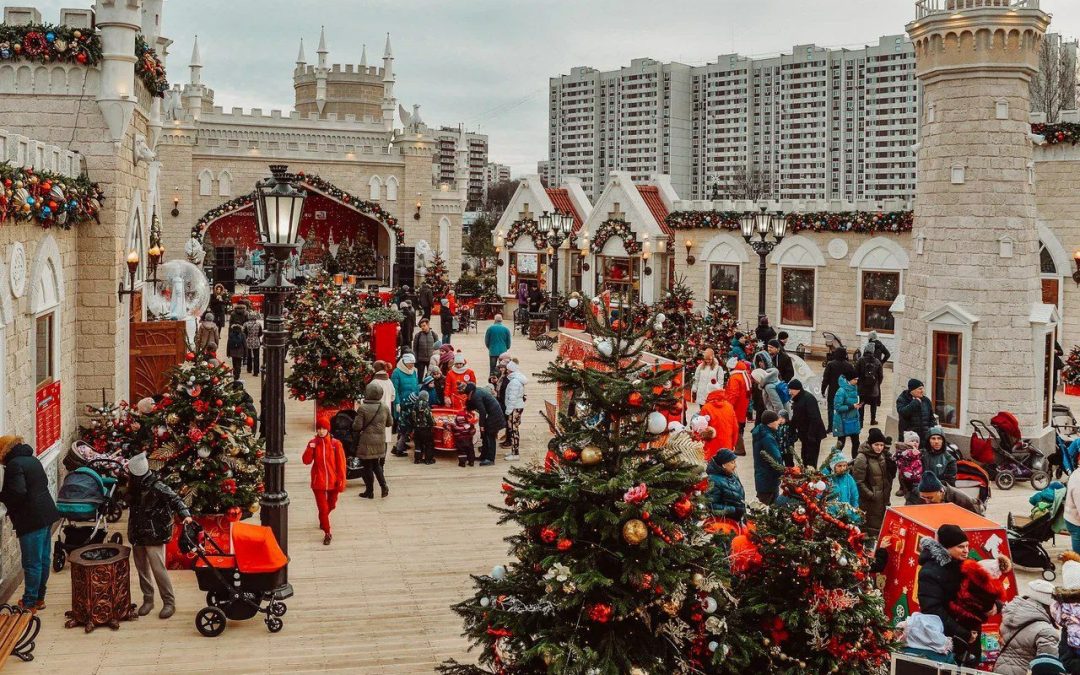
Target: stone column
<point x="979" y="266"/>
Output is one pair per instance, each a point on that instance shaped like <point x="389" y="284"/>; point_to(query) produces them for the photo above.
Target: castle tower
<point x="301" y="60"/>
<point x="194" y="91"/>
<point x="321" y="72"/>
<point x="389" y="103"/>
<point x="151" y="20"/>
<point x="971" y="321"/>
<point x="119" y="21"/>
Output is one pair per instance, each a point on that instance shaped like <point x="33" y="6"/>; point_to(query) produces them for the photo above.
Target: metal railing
<point x="925" y="8"/>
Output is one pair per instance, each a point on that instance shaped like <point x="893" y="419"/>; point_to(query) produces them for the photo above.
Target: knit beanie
<point x="322" y="423"/>
<point x="795" y="384"/>
<point x="951" y="535"/>
<point x="875" y="435"/>
<point x="759" y="376"/>
<point x="408" y="359"/>
<point x="911" y="438"/>
<point x="775" y="344"/>
<point x="1046" y="665"/>
<point x="936" y="431"/>
<point x="724" y="456"/>
<point x="930" y="483"/>
<point x="913" y="384"/>
<point x="768" y="417"/>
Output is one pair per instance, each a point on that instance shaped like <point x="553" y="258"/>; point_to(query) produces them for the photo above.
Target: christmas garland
<point x="46" y="43"/>
<point x="50" y="199"/>
<point x="149" y="68"/>
<point x="616" y="227"/>
<point x="1058" y="132"/>
<point x="528" y="227"/>
<point x="861" y="222"/>
<point x="316" y="183"/>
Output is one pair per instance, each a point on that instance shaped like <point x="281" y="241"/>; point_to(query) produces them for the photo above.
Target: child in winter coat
<point x="327" y="458"/>
<point x="909" y="466"/>
<point x="463" y="431"/>
<point x="939" y="457"/>
<point x="843" y="491"/>
<point x="423" y="424"/>
<point x="460" y="372"/>
<point x="981" y="593"/>
<point x="253" y="342"/>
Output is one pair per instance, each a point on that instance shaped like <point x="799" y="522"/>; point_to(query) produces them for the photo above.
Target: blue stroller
<point x="84" y="502"/>
<point x="1066" y="440"/>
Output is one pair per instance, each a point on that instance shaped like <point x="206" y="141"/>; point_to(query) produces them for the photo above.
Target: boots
<point x="385" y="491"/>
<point x="146" y="607"/>
<point x="367" y="494"/>
<point x="167" y="611"/>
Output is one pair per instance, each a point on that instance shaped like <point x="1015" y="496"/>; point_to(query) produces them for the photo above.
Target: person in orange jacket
<point x="327" y="458"/>
<point x="722" y="420"/>
<point x="738" y="395"/>
<point x="459" y="372"/>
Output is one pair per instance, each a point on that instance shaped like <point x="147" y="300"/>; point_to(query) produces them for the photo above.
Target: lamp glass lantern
<point x="566" y="222"/>
<point x="763" y="221"/>
<point x="746" y="223"/>
<point x="279" y="206"/>
<point x="543" y="223"/>
<point x="779" y="225"/>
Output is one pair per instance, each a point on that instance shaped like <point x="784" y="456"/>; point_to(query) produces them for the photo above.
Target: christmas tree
<point x="329" y="262"/>
<point x="364" y="259"/>
<point x="612" y="573"/>
<point x="326" y="342"/>
<point x="346" y="258"/>
<point x="806" y="598"/>
<point x="719" y="327"/>
<point x="1070" y="374"/>
<point x="437" y="277"/>
<point x="676" y="332"/>
<point x="204" y="445"/>
<point x="112" y="429"/>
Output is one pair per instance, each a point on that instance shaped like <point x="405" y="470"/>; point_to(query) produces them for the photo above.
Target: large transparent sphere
<point x="183" y="291"/>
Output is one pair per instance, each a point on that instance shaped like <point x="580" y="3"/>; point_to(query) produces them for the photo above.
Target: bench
<point x="18" y="630"/>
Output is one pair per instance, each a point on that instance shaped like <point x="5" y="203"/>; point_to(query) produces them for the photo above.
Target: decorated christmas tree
<point x="326" y="342"/>
<point x="437" y="277"/>
<point x="111" y="428"/>
<point x="364" y="259"/>
<point x="611" y="572"/>
<point x="676" y="332"/>
<point x="806" y="598"/>
<point x="1070" y="374"/>
<point x="204" y="445"/>
<point x="719" y="327"/>
<point x="329" y="262"/>
<point x="346" y="258"/>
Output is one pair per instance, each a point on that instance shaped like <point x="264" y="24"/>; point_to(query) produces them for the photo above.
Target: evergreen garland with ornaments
<point x="112" y="429"/>
<point x="437" y="277"/>
<point x="328" y="346"/>
<point x="46" y="43"/>
<point x="807" y="602"/>
<point x="49" y="199"/>
<point x="1070" y="374"/>
<point x="149" y="68"/>
<point x="1057" y="132"/>
<point x="611" y="572"/>
<point x="204" y="445"/>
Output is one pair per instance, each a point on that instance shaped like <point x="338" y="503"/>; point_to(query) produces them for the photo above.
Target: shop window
<point x="724" y="287"/>
<point x="1051" y="280"/>
<point x="527" y="268"/>
<point x="879" y="290"/>
<point x="797" y="296"/>
<point x="45" y="349"/>
<point x="621" y="276"/>
<point x="946" y="377"/>
<point x="576" y="271"/>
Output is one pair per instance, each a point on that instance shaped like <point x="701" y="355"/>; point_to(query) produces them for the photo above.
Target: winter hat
<point x="7" y="444"/>
<point x="913" y="384"/>
<point x="776" y="344"/>
<point x="1041" y="591"/>
<point x="782" y="335"/>
<point x="322" y="423"/>
<point x="424" y="396"/>
<point x="794" y="384"/>
<point x="1070" y="575"/>
<point x="868" y="350"/>
<point x="724" y="456"/>
<point x="138" y="465"/>
<point x="759" y="376"/>
<point x="1046" y="665"/>
<point x="512" y="367"/>
<point x="459" y="359"/>
<point x="950" y="535"/>
<point x="732" y="362"/>
<point x="936" y="431"/>
<point x="408" y="358"/>
<point x="873" y="335"/>
<point x="208" y="316"/>
<point x="996" y="567"/>
<point x="427" y="380"/>
<point x="768" y="417"/>
<point x="875" y="435"/>
<point x="910" y="437"/>
<point x="930" y="483"/>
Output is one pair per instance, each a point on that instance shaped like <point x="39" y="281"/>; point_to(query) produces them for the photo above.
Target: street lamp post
<point x="762" y="222"/>
<point x="278" y="206"/>
<point x="555" y="227"/>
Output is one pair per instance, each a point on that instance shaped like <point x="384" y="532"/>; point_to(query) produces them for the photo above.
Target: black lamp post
<point x="278" y="206"/>
<point x="762" y="222"/>
<point x="555" y="227"/>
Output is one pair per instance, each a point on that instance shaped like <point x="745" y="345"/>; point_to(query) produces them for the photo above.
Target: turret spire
<point x="300" y="58"/>
<point x="363" y="57"/>
<point x="196" y="63"/>
<point x="387" y="53"/>
<point x="322" y="51"/>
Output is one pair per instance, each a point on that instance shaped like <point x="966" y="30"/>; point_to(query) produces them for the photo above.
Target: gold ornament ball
<point x="172" y="418"/>
<point x="671" y="608"/>
<point x="634" y="532"/>
<point x="638" y="670"/>
<point x="591" y="455"/>
<point x="697" y="579"/>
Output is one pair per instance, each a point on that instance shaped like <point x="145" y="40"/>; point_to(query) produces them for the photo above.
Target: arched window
<point x="225" y="184"/>
<point x="391" y="189"/>
<point x="375" y="186"/>
<point x="206" y="183"/>
<point x="1054" y="263"/>
<point x="880" y="263"/>
<point x="797" y="260"/>
<point x="724" y="256"/>
<point x="46" y="297"/>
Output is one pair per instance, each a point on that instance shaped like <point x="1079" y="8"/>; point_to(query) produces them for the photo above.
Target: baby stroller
<point x="238" y="583"/>
<point x="1066" y="440"/>
<point x="972" y="480"/>
<point x="1005" y="455"/>
<point x="1026" y="536"/>
<point x="84" y="501"/>
<point x="82" y="454"/>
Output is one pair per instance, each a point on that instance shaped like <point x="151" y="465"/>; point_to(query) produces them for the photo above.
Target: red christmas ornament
<point x="548" y="534"/>
<point x="635" y="399"/>
<point x="682" y="507"/>
<point x="569" y="455"/>
<point x="564" y="544"/>
<point x="803" y="571"/>
<point x="599" y="612"/>
<point x="190" y="356"/>
<point x="250" y="421"/>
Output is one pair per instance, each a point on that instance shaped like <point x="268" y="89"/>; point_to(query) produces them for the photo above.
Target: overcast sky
<point x="485" y="62"/>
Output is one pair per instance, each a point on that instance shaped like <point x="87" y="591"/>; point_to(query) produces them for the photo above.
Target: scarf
<point x="407" y="369"/>
<point x="461" y="370"/>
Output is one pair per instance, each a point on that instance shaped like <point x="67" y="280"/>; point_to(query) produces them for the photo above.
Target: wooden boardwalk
<point x="375" y="601"/>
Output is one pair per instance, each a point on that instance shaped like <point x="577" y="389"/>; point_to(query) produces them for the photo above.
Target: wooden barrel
<point x="100" y="587"/>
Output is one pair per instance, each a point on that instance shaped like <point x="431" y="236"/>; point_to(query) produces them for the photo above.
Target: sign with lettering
<point x="48" y="417"/>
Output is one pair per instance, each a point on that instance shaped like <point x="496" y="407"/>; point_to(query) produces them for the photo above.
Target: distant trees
<point x="744" y="183"/>
<point x="1053" y="89"/>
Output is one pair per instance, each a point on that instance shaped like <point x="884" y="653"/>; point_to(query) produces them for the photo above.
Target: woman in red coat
<point x="738" y="395"/>
<point x="460" y="372"/>
<point x="326" y="456"/>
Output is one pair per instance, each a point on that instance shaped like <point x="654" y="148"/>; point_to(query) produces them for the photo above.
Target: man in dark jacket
<point x="150" y="527"/>
<point x="426" y="299"/>
<point x="932" y="491"/>
<point x="423" y="346"/>
<point x="806" y="420"/>
<point x="446" y="321"/>
<point x="871" y="375"/>
<point x="939" y="582"/>
<point x="32" y="512"/>
<point x="781" y="360"/>
<point x="837" y="365"/>
<point x="914" y="411"/>
<point x="492" y="419"/>
<point x="408" y="324"/>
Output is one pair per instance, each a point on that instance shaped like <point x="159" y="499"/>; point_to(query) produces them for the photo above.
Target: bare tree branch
<point x="753" y="184"/>
<point x="1054" y="88"/>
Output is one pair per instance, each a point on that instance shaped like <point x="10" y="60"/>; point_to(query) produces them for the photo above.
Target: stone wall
<point x="1057" y="176"/>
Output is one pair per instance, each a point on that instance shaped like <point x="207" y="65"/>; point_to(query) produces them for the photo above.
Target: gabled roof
<point x="651" y="195"/>
<point x="560" y="199"/>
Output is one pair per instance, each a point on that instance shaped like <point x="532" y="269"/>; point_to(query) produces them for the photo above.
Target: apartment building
<point x="445" y="161"/>
<point x="496" y="173"/>
<point x="816" y="123"/>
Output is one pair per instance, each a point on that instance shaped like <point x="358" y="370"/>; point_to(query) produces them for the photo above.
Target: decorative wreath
<point x="616" y="227"/>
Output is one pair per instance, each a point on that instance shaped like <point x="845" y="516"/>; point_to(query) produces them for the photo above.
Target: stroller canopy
<point x="1007" y="426"/>
<point x="82" y="485"/>
<point x="256" y="549"/>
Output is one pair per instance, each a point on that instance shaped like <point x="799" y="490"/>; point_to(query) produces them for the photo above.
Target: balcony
<point x="925" y="8"/>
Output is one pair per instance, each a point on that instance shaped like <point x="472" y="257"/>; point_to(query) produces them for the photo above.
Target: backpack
<point x="783" y="392"/>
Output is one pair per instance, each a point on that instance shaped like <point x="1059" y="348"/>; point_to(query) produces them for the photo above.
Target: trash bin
<point x="100" y="587"/>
